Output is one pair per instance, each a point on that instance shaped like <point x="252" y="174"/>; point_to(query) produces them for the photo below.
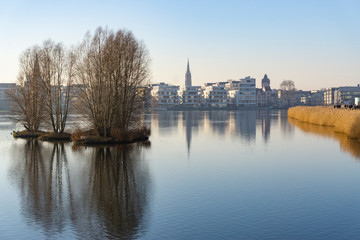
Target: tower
<point x="188" y="76"/>
<point x="265" y="82"/>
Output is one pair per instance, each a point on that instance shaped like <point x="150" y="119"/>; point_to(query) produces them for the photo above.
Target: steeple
<point x="265" y="82"/>
<point x="36" y="70"/>
<point x="188" y="76"/>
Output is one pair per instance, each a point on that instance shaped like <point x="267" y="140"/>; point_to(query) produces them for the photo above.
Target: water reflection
<point x="104" y="195"/>
<point x="246" y="124"/>
<point x="241" y="124"/>
<point x="191" y="121"/>
<point x="347" y="144"/>
<point x="265" y="118"/>
<point x="43" y="181"/>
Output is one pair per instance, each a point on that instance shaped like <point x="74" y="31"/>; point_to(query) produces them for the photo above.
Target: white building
<point x="190" y="96"/>
<point x="164" y="95"/>
<point x="329" y="96"/>
<point x="214" y="95"/>
<point x="245" y="94"/>
<point x="232" y="85"/>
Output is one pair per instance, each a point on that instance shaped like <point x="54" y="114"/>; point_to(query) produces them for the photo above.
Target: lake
<point x="247" y="174"/>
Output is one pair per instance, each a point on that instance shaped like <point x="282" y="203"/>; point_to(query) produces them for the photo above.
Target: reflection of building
<point x="246" y="123"/>
<point x="217" y="121"/>
<point x="166" y="119"/>
<point x="265" y="119"/>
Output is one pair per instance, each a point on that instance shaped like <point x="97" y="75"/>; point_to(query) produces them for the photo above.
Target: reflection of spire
<point x="191" y="122"/>
<point x="188" y="133"/>
<point x="188" y="76"/>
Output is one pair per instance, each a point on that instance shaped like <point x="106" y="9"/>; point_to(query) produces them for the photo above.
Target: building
<point x="4" y="99"/>
<point x="264" y="94"/>
<point x="214" y="95"/>
<point x="188" y="82"/>
<point x="164" y="95"/>
<point x="189" y="96"/>
<point x="346" y="95"/>
<point x="316" y="98"/>
<point x="245" y="95"/>
<point x="232" y="85"/>
<point x="329" y="96"/>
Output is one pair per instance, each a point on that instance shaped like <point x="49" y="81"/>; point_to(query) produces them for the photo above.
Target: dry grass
<point x="27" y="134"/>
<point x="117" y="136"/>
<point x="343" y="120"/>
<point x="130" y="135"/>
<point x="53" y="136"/>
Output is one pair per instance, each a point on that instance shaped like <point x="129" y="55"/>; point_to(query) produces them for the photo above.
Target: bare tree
<point x="287" y="88"/>
<point x="42" y="95"/>
<point x="113" y="66"/>
<point x="57" y="70"/>
<point x="27" y="99"/>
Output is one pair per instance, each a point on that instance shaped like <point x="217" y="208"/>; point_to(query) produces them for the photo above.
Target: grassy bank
<point x="343" y="120"/>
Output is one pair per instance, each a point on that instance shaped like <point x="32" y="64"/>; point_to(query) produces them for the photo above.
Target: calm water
<point x="204" y="175"/>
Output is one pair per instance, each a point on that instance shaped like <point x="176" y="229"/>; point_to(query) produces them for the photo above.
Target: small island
<point x="343" y="120"/>
<point x="101" y="81"/>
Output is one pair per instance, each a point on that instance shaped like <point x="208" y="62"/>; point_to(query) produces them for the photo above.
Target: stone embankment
<point x="343" y="120"/>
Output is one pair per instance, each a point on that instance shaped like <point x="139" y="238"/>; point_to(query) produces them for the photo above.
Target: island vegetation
<point x="101" y="80"/>
<point x="342" y="120"/>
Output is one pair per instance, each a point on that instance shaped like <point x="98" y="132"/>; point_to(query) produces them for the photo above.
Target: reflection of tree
<point x="117" y="192"/>
<point x="346" y="144"/>
<point x="44" y="185"/>
<point x="104" y="198"/>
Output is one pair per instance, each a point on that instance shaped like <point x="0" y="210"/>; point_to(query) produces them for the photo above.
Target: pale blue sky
<point x="314" y="43"/>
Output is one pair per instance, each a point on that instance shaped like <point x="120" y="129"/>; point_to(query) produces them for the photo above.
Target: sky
<point x="315" y="43"/>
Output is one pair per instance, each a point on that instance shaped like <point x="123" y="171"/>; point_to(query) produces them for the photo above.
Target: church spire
<point x="36" y="69"/>
<point x="188" y="76"/>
